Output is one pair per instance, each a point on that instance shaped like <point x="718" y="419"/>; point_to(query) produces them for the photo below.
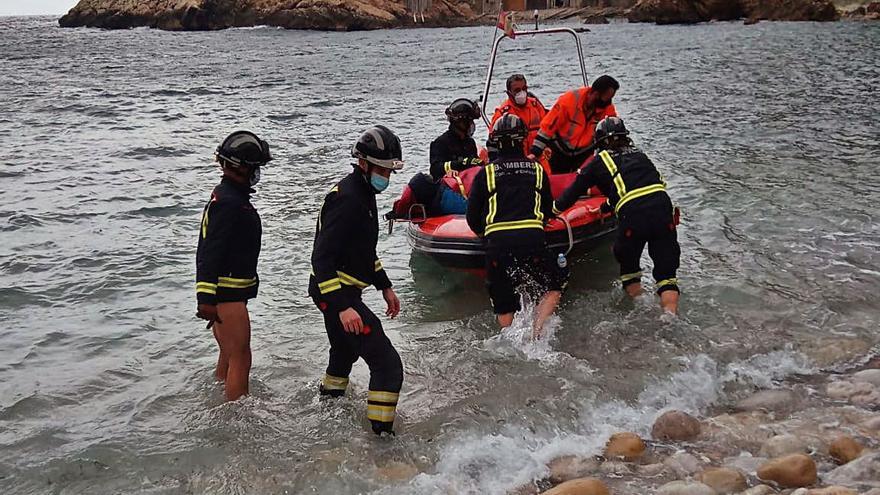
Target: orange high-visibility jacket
<point x="566" y="124"/>
<point x="532" y="113"/>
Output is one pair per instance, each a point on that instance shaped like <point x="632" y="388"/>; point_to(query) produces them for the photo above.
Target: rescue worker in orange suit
<point x="455" y="149"/>
<point x="522" y="104"/>
<point x="568" y="127"/>
<point x="509" y="204"/>
<point x="637" y="193"/>
<point x="344" y="263"/>
<point x="226" y="261"/>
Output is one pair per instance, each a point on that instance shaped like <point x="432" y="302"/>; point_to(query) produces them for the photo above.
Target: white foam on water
<point x="763" y="370"/>
<point x="518" y="339"/>
<point x="495" y="463"/>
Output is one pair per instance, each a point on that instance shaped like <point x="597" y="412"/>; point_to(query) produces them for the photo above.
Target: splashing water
<point x="519" y="338"/>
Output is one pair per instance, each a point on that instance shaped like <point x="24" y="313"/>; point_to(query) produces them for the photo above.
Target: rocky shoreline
<point x="355" y="15"/>
<point x="205" y="15"/>
<point x="815" y="435"/>
<point x="695" y="11"/>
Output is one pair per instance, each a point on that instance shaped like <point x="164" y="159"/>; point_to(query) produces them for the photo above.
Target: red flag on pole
<point x="505" y="23"/>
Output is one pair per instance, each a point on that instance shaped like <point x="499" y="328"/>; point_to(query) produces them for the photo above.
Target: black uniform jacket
<point x="344" y="254"/>
<point x="627" y="177"/>
<point x="510" y="202"/>
<point x="450" y="152"/>
<point x="229" y="246"/>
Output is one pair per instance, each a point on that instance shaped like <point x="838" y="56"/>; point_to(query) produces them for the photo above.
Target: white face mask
<point x="521" y="98"/>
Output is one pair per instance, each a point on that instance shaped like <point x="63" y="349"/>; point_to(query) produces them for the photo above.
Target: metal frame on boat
<point x="492" y="57"/>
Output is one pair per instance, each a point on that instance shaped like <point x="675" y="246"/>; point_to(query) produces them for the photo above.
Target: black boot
<point x="330" y="393"/>
<point x="380" y="427"/>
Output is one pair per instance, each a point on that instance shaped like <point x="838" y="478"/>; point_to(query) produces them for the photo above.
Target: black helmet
<point x="608" y="127"/>
<point x="244" y="148"/>
<point x="508" y="133"/>
<point x="379" y="146"/>
<point x="463" y="109"/>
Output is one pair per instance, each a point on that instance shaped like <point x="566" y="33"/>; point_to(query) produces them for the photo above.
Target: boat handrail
<point x="572" y="31"/>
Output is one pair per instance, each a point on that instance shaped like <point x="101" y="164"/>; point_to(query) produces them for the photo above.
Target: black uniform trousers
<point x="386" y="368"/>
<point x="529" y="267"/>
<point x="564" y="163"/>
<point x="656" y="228"/>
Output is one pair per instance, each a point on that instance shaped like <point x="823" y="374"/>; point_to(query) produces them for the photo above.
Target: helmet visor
<point x="391" y="164"/>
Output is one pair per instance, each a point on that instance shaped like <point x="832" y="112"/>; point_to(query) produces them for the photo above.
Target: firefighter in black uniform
<point x="226" y="261"/>
<point x="456" y="149"/>
<point x="344" y="263"/>
<point x="509" y="204"/>
<point x="637" y="193"/>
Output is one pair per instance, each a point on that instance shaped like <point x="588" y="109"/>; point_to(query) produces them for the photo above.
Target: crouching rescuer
<point x="344" y="263"/>
<point x="509" y="204"/>
<point x="637" y="193"/>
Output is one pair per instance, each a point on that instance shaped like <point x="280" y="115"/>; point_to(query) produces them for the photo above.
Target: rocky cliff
<point x="693" y="11"/>
<point x="199" y="15"/>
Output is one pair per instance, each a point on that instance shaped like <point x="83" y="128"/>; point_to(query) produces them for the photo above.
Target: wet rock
<point x="652" y="470"/>
<point x="872" y="423"/>
<point x="782" y="445"/>
<point x="188" y="15"/>
<point x="845" y="449"/>
<point x="844" y="390"/>
<point x="626" y="445"/>
<point x="867" y="400"/>
<point x="678" y="11"/>
<point x="873" y="491"/>
<point x="791" y="10"/>
<point x="759" y="490"/>
<point x="834" y="350"/>
<point x="724" y="480"/>
<point x="676" y="426"/>
<point x="682" y="464"/>
<point x="831" y="490"/>
<point x="746" y="463"/>
<point x="693" y="11"/>
<point x="571" y="467"/>
<point x="863" y="471"/>
<point x="778" y="401"/>
<point x="615" y="468"/>
<point x="867" y="376"/>
<point x="685" y="488"/>
<point x="791" y="471"/>
<point x="738" y="432"/>
<point x="584" y="486"/>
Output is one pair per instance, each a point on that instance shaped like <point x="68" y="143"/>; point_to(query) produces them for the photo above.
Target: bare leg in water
<point x="669" y="301"/>
<point x="234" y="337"/>
<point x="634" y="290"/>
<point x="545" y="308"/>
<point x="505" y="320"/>
<point x="222" y="360"/>
<point x="668" y="298"/>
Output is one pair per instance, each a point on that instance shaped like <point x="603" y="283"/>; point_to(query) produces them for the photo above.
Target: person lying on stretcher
<point x="447" y="196"/>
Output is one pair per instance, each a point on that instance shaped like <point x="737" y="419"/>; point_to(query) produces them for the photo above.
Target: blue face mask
<point x="379" y="183"/>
